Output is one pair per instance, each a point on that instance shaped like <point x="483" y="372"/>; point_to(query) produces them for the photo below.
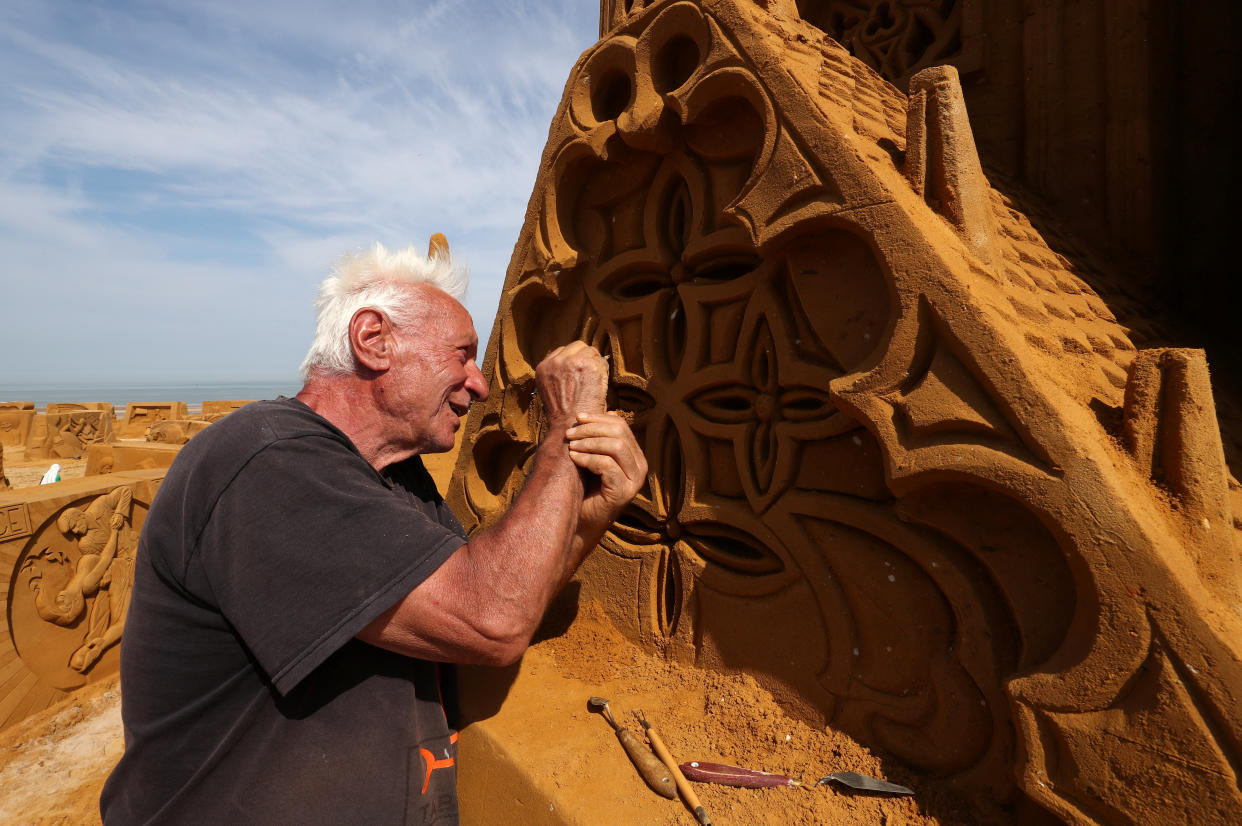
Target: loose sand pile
<point x="53" y="765"/>
<point x="574" y="758"/>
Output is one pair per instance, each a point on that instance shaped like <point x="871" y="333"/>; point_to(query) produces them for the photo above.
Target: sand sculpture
<point x="66" y="430"/>
<point x="906" y="466"/>
<point x="176" y="431"/>
<point x="15" y="421"/>
<point x="15" y="425"/>
<point x="67" y="435"/>
<point x="214" y="409"/>
<point x="114" y="458"/>
<point x="54" y="408"/>
<point x="66" y="549"/>
<point x="66" y="555"/>
<point x="899" y="39"/>
<point x="74" y="430"/>
<point x="140" y="416"/>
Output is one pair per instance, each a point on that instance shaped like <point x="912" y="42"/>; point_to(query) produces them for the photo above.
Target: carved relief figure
<point x="179" y="431"/>
<point x="141" y="416"/>
<point x="68" y="435"/>
<point x="15" y="425"/>
<point x="104" y="571"/>
<point x="867" y="392"/>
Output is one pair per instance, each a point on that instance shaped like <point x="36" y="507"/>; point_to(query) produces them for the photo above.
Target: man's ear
<point x="371" y="337"/>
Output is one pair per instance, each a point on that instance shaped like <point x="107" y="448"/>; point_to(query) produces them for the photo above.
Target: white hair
<point x="378" y="279"/>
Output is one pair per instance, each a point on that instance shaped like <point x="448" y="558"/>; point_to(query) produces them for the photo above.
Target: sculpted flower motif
<point x="684" y="532"/>
<point x="766" y="400"/>
<point x="651" y="283"/>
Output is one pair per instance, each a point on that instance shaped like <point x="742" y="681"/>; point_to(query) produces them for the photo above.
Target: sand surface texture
<point x="24" y="473"/>
<point x="577" y="772"/>
<point x="53" y="765"/>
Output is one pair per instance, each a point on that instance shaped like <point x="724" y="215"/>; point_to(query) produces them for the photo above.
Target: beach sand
<point x="26" y="473"/>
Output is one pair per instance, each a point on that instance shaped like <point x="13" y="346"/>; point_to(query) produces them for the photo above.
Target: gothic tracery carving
<point x="897" y="38"/>
<point x="709" y="265"/>
<point x="876" y="471"/>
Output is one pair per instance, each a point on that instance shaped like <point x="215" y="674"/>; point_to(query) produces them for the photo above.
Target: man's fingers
<point x="567" y="350"/>
<point x="601" y="464"/>
<point x="628" y="460"/>
<point x="614" y="427"/>
<point x="613" y="438"/>
<point x="599" y="444"/>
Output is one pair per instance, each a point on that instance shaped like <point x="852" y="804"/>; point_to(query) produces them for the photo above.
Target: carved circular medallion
<point x="69" y="589"/>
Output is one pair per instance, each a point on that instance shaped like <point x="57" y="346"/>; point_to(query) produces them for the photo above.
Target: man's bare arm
<point x="485" y="602"/>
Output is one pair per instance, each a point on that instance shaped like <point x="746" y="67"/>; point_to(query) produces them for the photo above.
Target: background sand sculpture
<point x="66" y="549"/>
<point x="907" y="467"/>
<point x="66" y="552"/>
<point x="141" y="416"/>
<point x="15" y="421"/>
<point x="68" y="435"/>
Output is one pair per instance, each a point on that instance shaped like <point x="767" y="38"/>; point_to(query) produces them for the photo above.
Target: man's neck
<point x="348" y="403"/>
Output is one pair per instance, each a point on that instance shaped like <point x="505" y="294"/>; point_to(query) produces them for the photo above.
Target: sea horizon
<point x="121" y="393"/>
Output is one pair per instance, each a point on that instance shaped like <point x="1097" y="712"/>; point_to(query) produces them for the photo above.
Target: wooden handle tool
<point x="683" y="785"/>
<point x="652" y="771"/>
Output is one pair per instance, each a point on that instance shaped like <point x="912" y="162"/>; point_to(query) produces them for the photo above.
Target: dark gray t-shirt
<point x="246" y="699"/>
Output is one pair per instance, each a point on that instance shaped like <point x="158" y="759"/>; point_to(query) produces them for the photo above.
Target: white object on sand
<point x="52" y="475"/>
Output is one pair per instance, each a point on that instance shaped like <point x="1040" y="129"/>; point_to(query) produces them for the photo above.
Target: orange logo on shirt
<point x="432" y="763"/>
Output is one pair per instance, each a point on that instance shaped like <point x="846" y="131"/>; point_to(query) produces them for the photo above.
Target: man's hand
<point x="572" y="379"/>
<point x="602" y="444"/>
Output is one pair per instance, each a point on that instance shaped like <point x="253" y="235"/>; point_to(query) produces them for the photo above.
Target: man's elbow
<point x="501" y="646"/>
<point x="500" y="656"/>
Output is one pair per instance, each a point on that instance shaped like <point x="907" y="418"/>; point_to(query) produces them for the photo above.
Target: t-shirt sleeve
<point x="306" y="546"/>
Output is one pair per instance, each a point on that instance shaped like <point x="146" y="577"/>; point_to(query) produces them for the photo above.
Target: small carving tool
<point x="862" y="782"/>
<point x="734" y="775"/>
<point x="687" y="793"/>
<point x="649" y="766"/>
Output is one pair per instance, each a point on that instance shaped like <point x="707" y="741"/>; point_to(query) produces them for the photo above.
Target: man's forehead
<point x="447" y="313"/>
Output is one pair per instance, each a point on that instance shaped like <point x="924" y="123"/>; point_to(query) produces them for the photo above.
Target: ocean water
<point x="120" y="394"/>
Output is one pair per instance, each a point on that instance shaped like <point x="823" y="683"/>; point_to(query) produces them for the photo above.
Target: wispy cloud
<point x="191" y="168"/>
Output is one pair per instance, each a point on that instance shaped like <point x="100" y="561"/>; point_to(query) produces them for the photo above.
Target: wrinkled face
<point x="434" y="377"/>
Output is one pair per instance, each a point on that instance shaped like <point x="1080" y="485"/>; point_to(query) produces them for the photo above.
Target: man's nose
<point x="475" y="383"/>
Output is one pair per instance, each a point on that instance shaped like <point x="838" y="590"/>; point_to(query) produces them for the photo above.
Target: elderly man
<point x="299" y="579"/>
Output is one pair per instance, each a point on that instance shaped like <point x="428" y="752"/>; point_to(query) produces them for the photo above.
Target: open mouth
<point x="460" y="409"/>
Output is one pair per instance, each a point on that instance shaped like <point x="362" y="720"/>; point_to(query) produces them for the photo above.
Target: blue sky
<point x="177" y="176"/>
